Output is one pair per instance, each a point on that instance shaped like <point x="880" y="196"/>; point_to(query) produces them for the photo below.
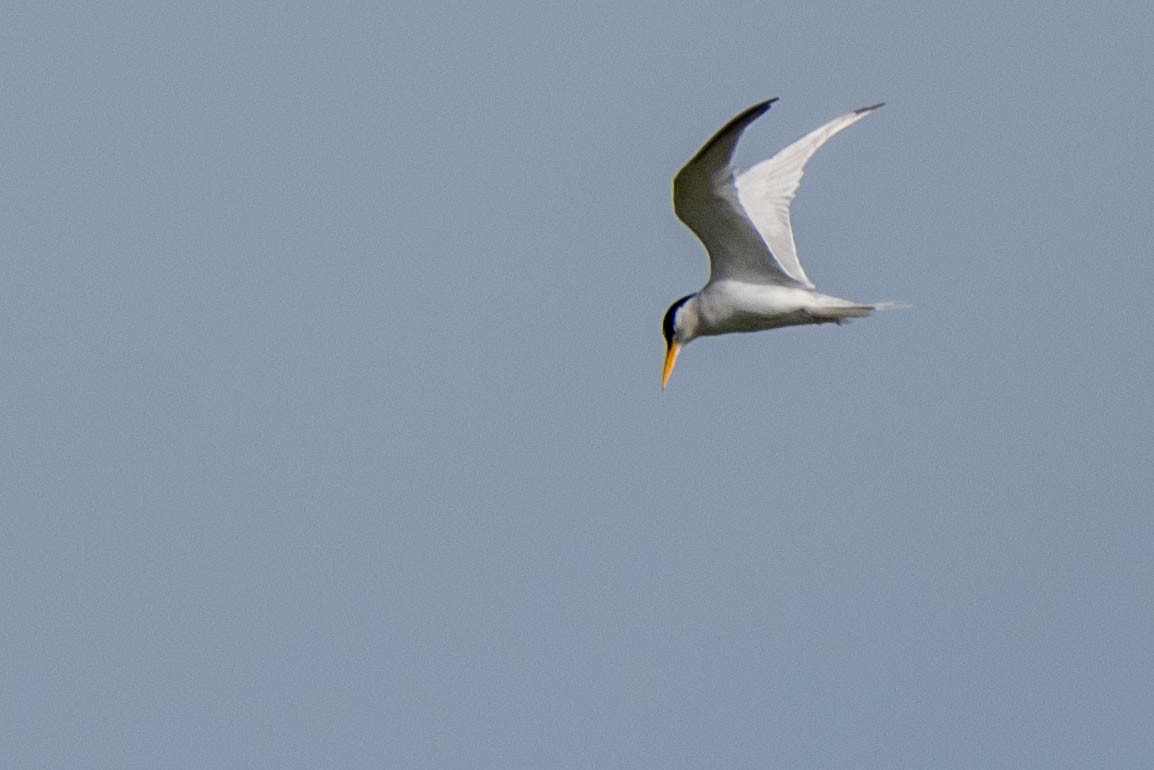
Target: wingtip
<point x="872" y="107"/>
<point x="730" y="132"/>
<point x="759" y="109"/>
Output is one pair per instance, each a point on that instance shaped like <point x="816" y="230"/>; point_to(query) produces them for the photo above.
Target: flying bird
<point x="755" y="279"/>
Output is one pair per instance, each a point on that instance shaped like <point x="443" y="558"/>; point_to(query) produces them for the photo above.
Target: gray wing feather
<point x="743" y="221"/>
<point x="705" y="199"/>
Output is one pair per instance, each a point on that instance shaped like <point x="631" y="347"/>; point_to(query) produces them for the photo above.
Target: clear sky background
<point x="330" y="411"/>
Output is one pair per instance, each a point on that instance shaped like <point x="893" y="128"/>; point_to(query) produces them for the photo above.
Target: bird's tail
<point x="889" y="304"/>
<point x="841" y="314"/>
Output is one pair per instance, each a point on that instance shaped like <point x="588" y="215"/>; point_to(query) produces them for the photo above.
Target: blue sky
<point x="331" y="407"/>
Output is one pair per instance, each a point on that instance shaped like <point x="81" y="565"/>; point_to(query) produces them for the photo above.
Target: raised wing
<point x="764" y="192"/>
<point x="706" y="199"/>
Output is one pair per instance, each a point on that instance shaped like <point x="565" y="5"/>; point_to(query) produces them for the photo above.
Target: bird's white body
<point x="736" y="306"/>
<point x="756" y="281"/>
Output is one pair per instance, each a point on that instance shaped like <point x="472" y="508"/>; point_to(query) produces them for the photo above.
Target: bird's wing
<point x="706" y="199"/>
<point x="765" y="191"/>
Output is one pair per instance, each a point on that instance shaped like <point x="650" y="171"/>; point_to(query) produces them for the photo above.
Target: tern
<point x="755" y="279"/>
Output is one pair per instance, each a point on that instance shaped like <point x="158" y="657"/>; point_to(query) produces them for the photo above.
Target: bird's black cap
<point x="670" y="314"/>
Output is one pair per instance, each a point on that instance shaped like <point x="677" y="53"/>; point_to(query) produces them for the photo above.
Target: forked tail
<point x="841" y="314"/>
<point x="889" y="304"/>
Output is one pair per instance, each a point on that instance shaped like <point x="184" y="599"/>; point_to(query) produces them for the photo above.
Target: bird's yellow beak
<point x="670" y="360"/>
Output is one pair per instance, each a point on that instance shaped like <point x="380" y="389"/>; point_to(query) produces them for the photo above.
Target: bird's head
<point x="679" y="326"/>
